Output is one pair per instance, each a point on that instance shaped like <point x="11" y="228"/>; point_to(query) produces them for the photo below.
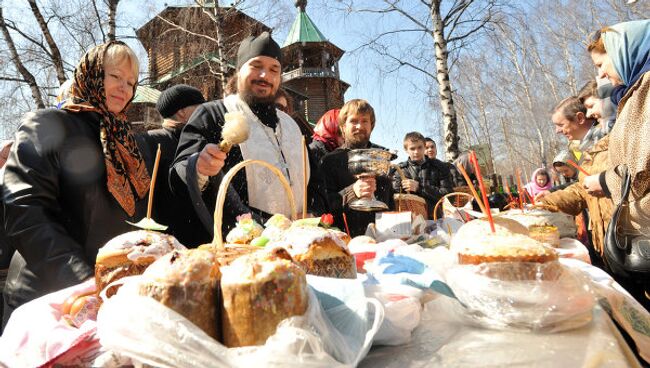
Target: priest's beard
<point x="254" y="100"/>
<point x="247" y="95"/>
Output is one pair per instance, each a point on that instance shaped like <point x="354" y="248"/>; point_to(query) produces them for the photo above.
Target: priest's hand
<point x="211" y="160"/>
<point x="365" y="186"/>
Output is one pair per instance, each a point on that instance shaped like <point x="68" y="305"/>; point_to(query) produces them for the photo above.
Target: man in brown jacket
<point x="573" y="199"/>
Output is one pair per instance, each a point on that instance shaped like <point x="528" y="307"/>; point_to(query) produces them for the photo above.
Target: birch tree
<point x="53" y="49"/>
<point x="25" y="75"/>
<point x="434" y="32"/>
<point x="37" y="33"/>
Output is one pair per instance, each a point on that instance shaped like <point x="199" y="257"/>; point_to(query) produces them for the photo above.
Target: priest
<point x="274" y="137"/>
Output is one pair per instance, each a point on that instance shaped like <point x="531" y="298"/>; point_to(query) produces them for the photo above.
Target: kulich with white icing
<point x="538" y="217"/>
<point x="495" y="247"/>
<point x="244" y="231"/>
<point x="139" y="244"/>
<point x="259" y="291"/>
<point x="319" y="251"/>
<point x="130" y="254"/>
<point x="186" y="281"/>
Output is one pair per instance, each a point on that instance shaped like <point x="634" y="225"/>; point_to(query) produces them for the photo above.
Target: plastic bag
<point x="458" y="213"/>
<point x="402" y="310"/>
<point x="393" y="269"/>
<point x="37" y="333"/>
<point x="148" y="332"/>
<point x="346" y="307"/>
<point x="522" y="296"/>
<point x="443" y="341"/>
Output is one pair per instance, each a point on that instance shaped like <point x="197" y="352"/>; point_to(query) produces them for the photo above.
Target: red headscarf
<point x="327" y="129"/>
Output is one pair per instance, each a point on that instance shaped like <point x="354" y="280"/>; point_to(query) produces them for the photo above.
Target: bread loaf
<point x="187" y="282"/>
<point x="259" y="291"/>
<point x="319" y="251"/>
<point x="130" y="254"/>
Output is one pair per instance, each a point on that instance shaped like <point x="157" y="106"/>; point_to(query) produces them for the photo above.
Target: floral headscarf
<point x="125" y="168"/>
<point x="327" y="129"/>
<point x="628" y="46"/>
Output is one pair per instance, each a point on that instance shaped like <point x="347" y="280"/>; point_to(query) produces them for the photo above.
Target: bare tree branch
<point x="29" y="77"/>
<point x="55" y="54"/>
<point x="99" y="19"/>
<point x="13" y="79"/>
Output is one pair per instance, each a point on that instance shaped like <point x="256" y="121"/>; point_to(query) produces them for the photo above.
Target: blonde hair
<point x="354" y="107"/>
<point x="118" y="53"/>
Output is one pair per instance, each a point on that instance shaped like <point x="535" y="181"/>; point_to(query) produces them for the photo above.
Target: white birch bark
<point x="449" y="120"/>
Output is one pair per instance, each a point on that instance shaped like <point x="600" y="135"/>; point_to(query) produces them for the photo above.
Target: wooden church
<point x="181" y="44"/>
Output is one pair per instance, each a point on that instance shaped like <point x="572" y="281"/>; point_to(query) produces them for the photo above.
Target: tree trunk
<point x="542" y="145"/>
<point x="112" y="14"/>
<point x="486" y="129"/>
<point x="444" y="86"/>
<point x="217" y="17"/>
<point x="57" y="61"/>
<point x="29" y="78"/>
<point x="525" y="84"/>
<point x="508" y="142"/>
<point x="468" y="139"/>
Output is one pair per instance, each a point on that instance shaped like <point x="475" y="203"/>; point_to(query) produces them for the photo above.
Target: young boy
<point x="429" y="179"/>
<point x="430" y="149"/>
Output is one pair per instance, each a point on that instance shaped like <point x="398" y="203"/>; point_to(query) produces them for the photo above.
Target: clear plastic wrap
<point x="522" y="296"/>
<point x="402" y="309"/>
<point x="148" y="332"/>
<point x="443" y="341"/>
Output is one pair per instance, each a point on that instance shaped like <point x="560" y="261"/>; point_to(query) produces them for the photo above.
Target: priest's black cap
<point x="254" y="46"/>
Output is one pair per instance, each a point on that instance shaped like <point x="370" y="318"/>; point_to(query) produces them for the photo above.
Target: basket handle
<point x="217" y="241"/>
<point x="401" y="174"/>
<point x="435" y="209"/>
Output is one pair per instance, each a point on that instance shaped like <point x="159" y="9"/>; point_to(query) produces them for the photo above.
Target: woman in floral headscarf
<point x="73" y="177"/>
<point x="327" y="135"/>
<point x="622" y="54"/>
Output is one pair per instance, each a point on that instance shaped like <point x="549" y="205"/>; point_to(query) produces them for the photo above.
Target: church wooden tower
<point x="311" y="67"/>
<point x="182" y="48"/>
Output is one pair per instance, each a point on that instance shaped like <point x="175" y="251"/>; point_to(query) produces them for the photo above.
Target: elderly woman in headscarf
<point x="73" y="177"/>
<point x="622" y="54"/>
<point x="327" y="135"/>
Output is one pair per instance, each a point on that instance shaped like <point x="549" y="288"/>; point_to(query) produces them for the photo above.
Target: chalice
<point x="369" y="162"/>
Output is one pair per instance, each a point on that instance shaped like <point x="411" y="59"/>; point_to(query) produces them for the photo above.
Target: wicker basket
<point x="461" y="200"/>
<point x="466" y="197"/>
<point x="217" y="241"/>
<point x="411" y="202"/>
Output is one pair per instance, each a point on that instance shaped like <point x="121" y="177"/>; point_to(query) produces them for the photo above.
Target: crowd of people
<point x="76" y="173"/>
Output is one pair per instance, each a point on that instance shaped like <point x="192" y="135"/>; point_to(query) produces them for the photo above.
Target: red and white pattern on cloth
<point x="37" y="335"/>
